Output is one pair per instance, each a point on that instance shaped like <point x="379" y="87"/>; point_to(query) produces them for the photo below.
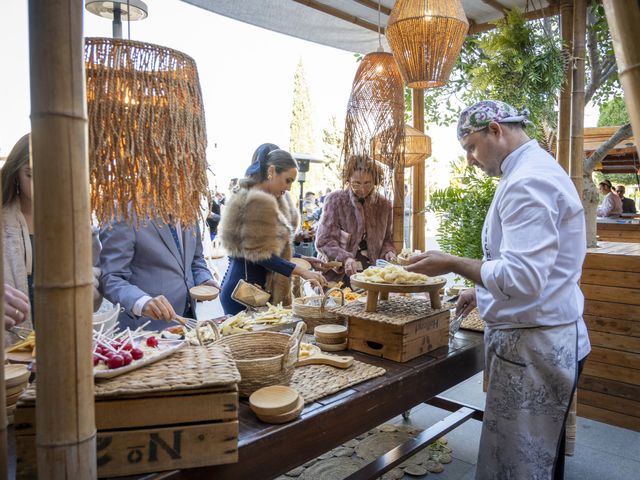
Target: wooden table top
<point x="266" y="451"/>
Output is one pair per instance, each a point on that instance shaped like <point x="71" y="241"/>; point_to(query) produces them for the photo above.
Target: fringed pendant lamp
<point x="147" y="135"/>
<point x="426" y="37"/>
<point x="375" y="115"/>
<point x="415" y="148"/>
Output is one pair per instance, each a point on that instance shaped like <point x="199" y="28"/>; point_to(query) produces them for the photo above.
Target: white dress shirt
<point x="611" y="206"/>
<point x="534" y="244"/>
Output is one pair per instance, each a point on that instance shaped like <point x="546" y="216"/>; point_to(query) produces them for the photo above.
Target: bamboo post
<point x="577" y="95"/>
<point x="418" y="202"/>
<point x="66" y="433"/>
<point x="4" y="464"/>
<point x="398" y="207"/>
<point x="624" y="17"/>
<point x="564" y="115"/>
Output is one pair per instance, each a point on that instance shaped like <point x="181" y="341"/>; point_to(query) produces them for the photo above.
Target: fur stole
<point x="256" y="225"/>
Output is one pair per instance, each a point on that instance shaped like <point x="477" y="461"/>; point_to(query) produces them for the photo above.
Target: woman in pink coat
<point x="356" y="225"/>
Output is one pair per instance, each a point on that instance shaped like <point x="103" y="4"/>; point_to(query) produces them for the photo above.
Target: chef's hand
<point x="430" y="263"/>
<point x="350" y="267"/>
<point x="212" y="283"/>
<point x="16" y="306"/>
<point x="159" y="308"/>
<point x="466" y="302"/>
<point x="390" y="256"/>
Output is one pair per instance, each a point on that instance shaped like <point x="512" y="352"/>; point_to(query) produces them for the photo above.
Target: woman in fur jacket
<point x="356" y="225"/>
<point x="257" y="229"/>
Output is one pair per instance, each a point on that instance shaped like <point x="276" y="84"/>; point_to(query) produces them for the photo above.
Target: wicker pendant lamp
<point x="147" y="135"/>
<point x="375" y="115"/>
<point x="415" y="148"/>
<point x="426" y="37"/>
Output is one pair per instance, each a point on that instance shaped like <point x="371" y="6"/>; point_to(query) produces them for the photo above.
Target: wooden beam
<point x="563" y="151"/>
<point x="577" y="95"/>
<point x="340" y="14"/>
<point x="549" y="11"/>
<point x="623" y="16"/>
<point x="374" y="6"/>
<point x="418" y="203"/>
<point x="66" y="433"/>
<point x="398" y="208"/>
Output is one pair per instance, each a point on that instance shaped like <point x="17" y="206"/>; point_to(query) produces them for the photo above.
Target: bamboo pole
<point x="564" y="115"/>
<point x="398" y="208"/>
<point x="624" y="18"/>
<point x="4" y="464"/>
<point x="66" y="434"/>
<point x="418" y="203"/>
<point x="577" y="95"/>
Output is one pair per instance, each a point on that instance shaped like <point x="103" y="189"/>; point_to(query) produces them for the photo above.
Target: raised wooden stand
<point x="401" y="329"/>
<point x="381" y="291"/>
<point x="609" y="388"/>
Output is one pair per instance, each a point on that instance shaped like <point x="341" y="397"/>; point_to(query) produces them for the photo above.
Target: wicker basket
<point x="314" y="315"/>
<point x="264" y="358"/>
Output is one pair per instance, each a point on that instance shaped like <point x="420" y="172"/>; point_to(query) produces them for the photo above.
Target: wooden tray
<point x="165" y="348"/>
<point x="203" y="293"/>
<point x="382" y="290"/>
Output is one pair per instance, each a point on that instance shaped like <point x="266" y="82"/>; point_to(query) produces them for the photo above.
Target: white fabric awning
<point x="348" y="24"/>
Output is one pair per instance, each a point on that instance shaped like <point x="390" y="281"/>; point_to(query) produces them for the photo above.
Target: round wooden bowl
<point x="330" y="340"/>
<point x="204" y="293"/>
<point x="333" y="347"/>
<point x="17" y="389"/>
<point x="12" y="399"/>
<point x="301" y="262"/>
<point x="274" y="400"/>
<point x="331" y="331"/>
<point x="15" y="375"/>
<point x="284" y="417"/>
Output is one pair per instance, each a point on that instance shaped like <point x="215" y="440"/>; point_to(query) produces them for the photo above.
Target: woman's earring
<point x="269" y="177"/>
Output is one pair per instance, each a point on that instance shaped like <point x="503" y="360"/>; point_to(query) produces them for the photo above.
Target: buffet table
<point x="266" y="451"/>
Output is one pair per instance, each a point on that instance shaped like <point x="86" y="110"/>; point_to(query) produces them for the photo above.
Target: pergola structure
<point x="66" y="436"/>
<point x="622" y="158"/>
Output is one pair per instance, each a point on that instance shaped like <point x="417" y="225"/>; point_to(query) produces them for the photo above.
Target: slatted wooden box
<point x="178" y="413"/>
<point x="403" y="328"/>
<point x="609" y="387"/>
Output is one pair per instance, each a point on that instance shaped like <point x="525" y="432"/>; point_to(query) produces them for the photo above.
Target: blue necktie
<point x="174" y="234"/>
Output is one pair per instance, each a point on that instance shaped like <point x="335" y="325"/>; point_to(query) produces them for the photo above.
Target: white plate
<point x="165" y="348"/>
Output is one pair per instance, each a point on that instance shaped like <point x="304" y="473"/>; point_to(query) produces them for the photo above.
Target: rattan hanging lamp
<point x="374" y="126"/>
<point x="147" y="132"/>
<point x="426" y="37"/>
<point x="415" y="148"/>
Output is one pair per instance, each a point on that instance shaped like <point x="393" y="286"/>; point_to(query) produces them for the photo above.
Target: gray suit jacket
<point x="145" y="261"/>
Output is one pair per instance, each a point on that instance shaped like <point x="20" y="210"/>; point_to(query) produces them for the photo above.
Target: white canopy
<point x="351" y="24"/>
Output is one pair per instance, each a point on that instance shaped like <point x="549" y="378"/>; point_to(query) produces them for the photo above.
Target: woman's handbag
<point x="249" y="294"/>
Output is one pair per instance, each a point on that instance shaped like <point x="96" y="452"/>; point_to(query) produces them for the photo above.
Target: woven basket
<point x="314" y="315"/>
<point x="264" y="358"/>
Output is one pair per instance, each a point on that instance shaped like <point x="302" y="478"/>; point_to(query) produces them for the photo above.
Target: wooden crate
<point x="142" y="429"/>
<point x="609" y="388"/>
<point x="619" y="232"/>
<point x="403" y="328"/>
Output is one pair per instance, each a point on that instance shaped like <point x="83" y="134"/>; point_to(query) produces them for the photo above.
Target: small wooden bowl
<point x="12" y="399"/>
<point x="329" y="339"/>
<point x="284" y="417"/>
<point x="15" y="375"/>
<point x="17" y="389"/>
<point x="336" y="347"/>
<point x="331" y="331"/>
<point x="301" y="262"/>
<point x="274" y="400"/>
<point x="203" y="293"/>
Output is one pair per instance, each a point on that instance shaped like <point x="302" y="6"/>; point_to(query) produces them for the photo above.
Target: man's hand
<point x="159" y="308"/>
<point x="431" y="263"/>
<point x="466" y="302"/>
<point x="350" y="267"/>
<point x="390" y="256"/>
<point x="16" y="307"/>
<point x="212" y="283"/>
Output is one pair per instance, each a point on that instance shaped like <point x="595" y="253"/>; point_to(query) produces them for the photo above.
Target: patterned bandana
<point x="478" y="116"/>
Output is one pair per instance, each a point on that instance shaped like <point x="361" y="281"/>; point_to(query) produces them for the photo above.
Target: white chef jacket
<point x="534" y="244"/>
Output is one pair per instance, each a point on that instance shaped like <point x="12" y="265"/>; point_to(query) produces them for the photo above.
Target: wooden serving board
<point x="381" y="291"/>
<point x="319" y="358"/>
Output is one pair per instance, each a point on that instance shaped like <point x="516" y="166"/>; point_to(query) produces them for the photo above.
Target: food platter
<point x="163" y="350"/>
<point x="381" y="290"/>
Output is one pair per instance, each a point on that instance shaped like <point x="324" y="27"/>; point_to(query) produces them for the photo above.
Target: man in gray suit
<point x="149" y="271"/>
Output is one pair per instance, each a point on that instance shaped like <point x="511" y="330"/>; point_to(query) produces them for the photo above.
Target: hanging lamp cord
<point x="128" y="20"/>
<point x="380" y="49"/>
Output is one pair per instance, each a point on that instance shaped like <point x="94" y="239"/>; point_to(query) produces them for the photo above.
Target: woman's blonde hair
<point x="18" y="158"/>
<point x="362" y="163"/>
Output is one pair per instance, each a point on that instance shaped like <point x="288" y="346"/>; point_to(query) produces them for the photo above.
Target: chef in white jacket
<point x="527" y="291"/>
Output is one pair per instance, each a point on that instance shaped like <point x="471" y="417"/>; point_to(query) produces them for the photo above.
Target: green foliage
<point x="613" y="113"/>
<point x="616" y="179"/>
<point x="519" y="62"/>
<point x="461" y="209"/>
<point x="301" y="128"/>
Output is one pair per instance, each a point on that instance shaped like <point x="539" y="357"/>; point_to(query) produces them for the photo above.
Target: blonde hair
<point x="18" y="158"/>
<point x="362" y="163"/>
